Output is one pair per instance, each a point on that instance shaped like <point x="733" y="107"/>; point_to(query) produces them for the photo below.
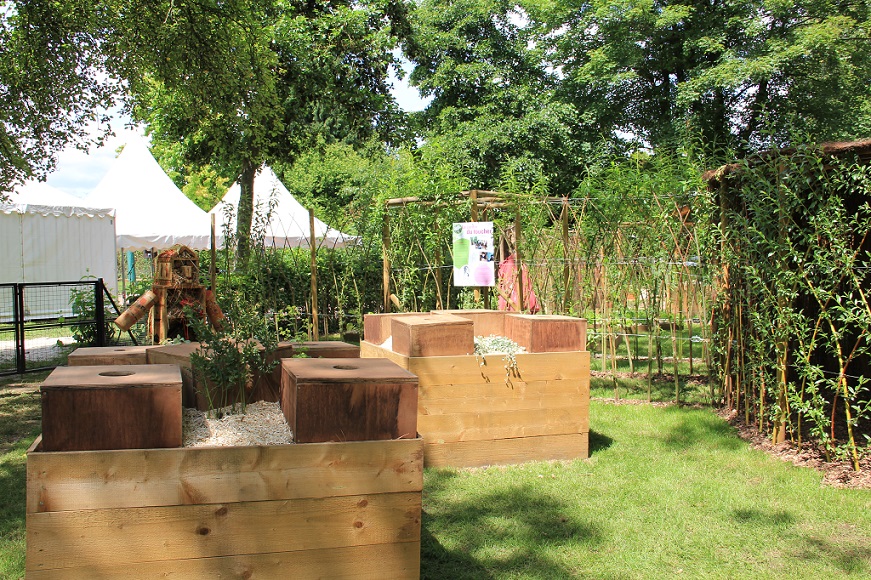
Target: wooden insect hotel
<point x="176" y="287"/>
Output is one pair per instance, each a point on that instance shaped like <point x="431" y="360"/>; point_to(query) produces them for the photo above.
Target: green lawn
<point x="667" y="492"/>
<point x="19" y="426"/>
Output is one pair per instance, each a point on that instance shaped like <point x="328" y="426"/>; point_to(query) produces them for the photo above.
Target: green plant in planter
<point x="229" y="359"/>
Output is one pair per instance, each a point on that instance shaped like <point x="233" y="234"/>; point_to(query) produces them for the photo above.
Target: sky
<point x="78" y="172"/>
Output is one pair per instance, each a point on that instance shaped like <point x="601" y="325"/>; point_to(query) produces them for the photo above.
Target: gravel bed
<point x="262" y="423"/>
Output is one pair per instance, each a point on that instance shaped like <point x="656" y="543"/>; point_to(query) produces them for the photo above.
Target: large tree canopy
<point x="739" y="73"/>
<point x="239" y="83"/>
<point x="52" y="84"/>
<point x="493" y="109"/>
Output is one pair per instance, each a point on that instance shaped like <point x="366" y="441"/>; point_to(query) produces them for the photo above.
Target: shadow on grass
<point x="504" y="530"/>
<point x="599" y="442"/>
<point x="758" y="517"/>
<point x="693" y="427"/>
<point x="850" y="557"/>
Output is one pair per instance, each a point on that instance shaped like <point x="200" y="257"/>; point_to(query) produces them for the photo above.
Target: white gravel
<point x="262" y="423"/>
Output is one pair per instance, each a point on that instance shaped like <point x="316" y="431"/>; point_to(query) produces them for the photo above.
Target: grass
<point x="666" y="492"/>
<point x="19" y="426"/>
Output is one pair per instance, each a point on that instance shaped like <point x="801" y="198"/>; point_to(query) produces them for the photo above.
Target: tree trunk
<point x="245" y="211"/>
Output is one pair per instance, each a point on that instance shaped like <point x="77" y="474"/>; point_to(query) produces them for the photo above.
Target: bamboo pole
<point x="385" y="261"/>
<point x="567" y="291"/>
<point x="518" y="264"/>
<point x="314" y="274"/>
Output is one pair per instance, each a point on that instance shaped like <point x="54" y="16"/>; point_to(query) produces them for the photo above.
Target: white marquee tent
<point x="289" y="225"/>
<point x="55" y="243"/>
<point x="41" y="193"/>
<point x="151" y="212"/>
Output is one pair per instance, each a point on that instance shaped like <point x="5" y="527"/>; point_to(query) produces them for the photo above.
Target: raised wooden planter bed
<point x="317" y="510"/>
<point x="474" y="412"/>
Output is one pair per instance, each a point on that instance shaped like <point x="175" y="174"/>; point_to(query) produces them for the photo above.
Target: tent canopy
<point x="288" y="225"/>
<point x="151" y="212"/>
<point x="40" y="193"/>
<point x="50" y="243"/>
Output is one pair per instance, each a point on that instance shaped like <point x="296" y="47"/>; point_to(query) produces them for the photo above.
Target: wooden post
<point x="314" y="274"/>
<point x="385" y="261"/>
<point x="213" y="256"/>
<point x="437" y="259"/>
<point x="518" y="264"/>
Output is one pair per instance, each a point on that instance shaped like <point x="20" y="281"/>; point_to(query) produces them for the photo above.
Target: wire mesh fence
<point x="41" y="323"/>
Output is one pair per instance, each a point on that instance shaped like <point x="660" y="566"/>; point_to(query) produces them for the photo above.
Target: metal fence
<point x="42" y="322"/>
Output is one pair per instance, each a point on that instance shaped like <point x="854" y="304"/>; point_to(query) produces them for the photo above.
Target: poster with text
<point x="473" y="254"/>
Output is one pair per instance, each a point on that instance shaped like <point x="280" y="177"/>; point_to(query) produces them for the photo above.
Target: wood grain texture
<point x="485" y="322"/>
<point x="378" y="327"/>
<point x="108" y="355"/>
<point x="320" y="510"/>
<point x="348" y="400"/>
<point x="111" y="407"/>
<point x="489" y="424"/>
<point x="115" y="537"/>
<point x="400" y="561"/>
<point x="539" y="333"/>
<point x="473" y="404"/>
<point x="507" y="451"/>
<point x="432" y="335"/>
<point x="165" y="477"/>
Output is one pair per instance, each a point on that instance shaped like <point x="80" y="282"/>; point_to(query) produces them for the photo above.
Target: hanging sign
<point x="473" y="254"/>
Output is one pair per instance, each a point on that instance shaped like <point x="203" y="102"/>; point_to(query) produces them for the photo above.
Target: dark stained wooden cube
<point x="343" y="399"/>
<point x="486" y="322"/>
<point x="547" y="333"/>
<point x="268" y="387"/>
<point x="377" y="328"/>
<point x="87" y="408"/>
<point x="178" y="354"/>
<point x="433" y="335"/>
<point x="108" y="355"/>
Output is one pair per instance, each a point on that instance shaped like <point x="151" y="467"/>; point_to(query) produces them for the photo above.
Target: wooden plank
<point x="399" y="561"/>
<point x="530" y="367"/>
<point x="513" y="390"/>
<point x="115" y="537"/>
<point x="507" y="451"/>
<point x="503" y="425"/>
<point x="370" y="350"/>
<point x="443" y="406"/>
<point x="166" y="477"/>
<point x="470" y="369"/>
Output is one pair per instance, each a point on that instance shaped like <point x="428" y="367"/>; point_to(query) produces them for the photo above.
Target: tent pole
<point x="213" y="255"/>
<point x="314" y="272"/>
<point x="123" y="276"/>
